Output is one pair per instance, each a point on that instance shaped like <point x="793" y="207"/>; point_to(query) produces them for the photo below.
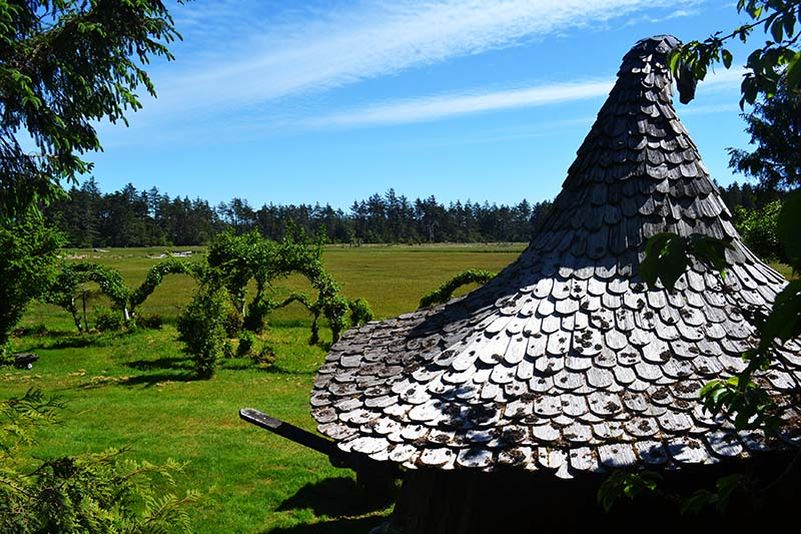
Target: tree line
<point x="131" y="218"/>
<point x="135" y="218"/>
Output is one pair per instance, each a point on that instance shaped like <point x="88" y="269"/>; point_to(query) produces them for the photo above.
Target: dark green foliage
<point x="266" y="356"/>
<point x="775" y="128"/>
<point x="110" y="281"/>
<point x="65" y="289"/>
<point x="132" y="218"/>
<point x="228" y="349"/>
<point x="787" y="228"/>
<point x="444" y="292"/>
<point x="154" y="321"/>
<point x="202" y="328"/>
<point x="233" y="321"/>
<point x="360" y="311"/>
<point x="107" y="320"/>
<point x="27" y="265"/>
<point x="68" y="286"/>
<point x="768" y="66"/>
<point x="64" y="67"/>
<point x="626" y="484"/>
<point x="87" y="493"/>
<point x="758" y="229"/>
<point x="236" y="260"/>
<point x="725" y="488"/>
<point x="667" y="257"/>
<point x="247" y="342"/>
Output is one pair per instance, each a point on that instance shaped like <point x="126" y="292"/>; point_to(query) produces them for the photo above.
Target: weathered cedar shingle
<point x="566" y="361"/>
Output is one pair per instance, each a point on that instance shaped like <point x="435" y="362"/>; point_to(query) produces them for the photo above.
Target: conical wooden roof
<point x="566" y="361"/>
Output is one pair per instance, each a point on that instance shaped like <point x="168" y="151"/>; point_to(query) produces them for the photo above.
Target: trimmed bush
<point x="202" y="328"/>
<point x="107" y="320"/>
<point x="247" y="342"/>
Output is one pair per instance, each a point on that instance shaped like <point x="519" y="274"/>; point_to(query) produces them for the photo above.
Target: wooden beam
<point x="286" y="430"/>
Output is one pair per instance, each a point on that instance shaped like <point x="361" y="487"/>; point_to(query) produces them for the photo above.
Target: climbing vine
<point x="444" y="292"/>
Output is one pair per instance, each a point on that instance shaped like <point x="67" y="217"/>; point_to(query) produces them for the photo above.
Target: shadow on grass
<point x="180" y="363"/>
<point x="360" y="525"/>
<point x="155" y="379"/>
<point x="76" y="341"/>
<point x="182" y="371"/>
<point x="335" y="497"/>
<point x="279" y="370"/>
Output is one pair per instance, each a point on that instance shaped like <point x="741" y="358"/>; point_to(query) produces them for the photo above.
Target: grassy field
<point x="137" y="390"/>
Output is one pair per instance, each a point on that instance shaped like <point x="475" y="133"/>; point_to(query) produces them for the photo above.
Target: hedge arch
<point x="65" y="288"/>
<point x="444" y="293"/>
<point x="155" y="276"/>
<point x="235" y="260"/>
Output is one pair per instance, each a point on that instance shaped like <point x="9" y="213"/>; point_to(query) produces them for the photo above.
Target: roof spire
<point x="566" y="361"/>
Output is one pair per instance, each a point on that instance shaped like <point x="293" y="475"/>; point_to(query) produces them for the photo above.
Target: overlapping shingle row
<point x="567" y="361"/>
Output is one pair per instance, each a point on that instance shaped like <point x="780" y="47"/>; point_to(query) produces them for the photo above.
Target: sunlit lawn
<point x="137" y="390"/>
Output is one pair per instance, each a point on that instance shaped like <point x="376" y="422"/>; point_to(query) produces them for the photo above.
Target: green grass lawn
<point x="137" y="390"/>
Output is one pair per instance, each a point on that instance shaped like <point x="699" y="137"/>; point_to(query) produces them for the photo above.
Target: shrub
<point x="758" y="229"/>
<point x="256" y="316"/>
<point x="27" y="265"/>
<point x="360" y="311"/>
<point x="444" y="292"/>
<point x="153" y="321"/>
<point x="247" y="341"/>
<point x="266" y="356"/>
<point x="107" y="320"/>
<point x="232" y="322"/>
<point x="202" y="328"/>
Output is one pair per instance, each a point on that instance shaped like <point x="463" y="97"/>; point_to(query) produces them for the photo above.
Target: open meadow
<point x="137" y="390"/>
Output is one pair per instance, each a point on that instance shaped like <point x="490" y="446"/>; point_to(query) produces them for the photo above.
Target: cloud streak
<point x="323" y="50"/>
<point x="444" y="106"/>
<point x="430" y="108"/>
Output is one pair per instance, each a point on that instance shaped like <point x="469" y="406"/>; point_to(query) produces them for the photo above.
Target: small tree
<point x="27" y="264"/>
<point x="775" y="128"/>
<point x="758" y="228"/>
<point x="64" y="66"/>
<point x="202" y="328"/>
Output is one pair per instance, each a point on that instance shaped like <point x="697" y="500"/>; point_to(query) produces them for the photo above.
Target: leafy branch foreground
<point x="741" y="396"/>
<point x="773" y="74"/>
<point x="102" y="492"/>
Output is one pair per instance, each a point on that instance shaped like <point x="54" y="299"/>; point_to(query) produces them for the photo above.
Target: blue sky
<point x="331" y="101"/>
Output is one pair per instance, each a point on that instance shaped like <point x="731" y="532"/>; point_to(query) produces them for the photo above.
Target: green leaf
<point x="777" y="30"/>
<point x="709" y="251"/>
<point x="665" y="260"/>
<point x="789" y="24"/>
<point x="727" y="58"/>
<point x="784" y="320"/>
<point x="793" y="72"/>
<point x="788" y="225"/>
<point x="675" y="60"/>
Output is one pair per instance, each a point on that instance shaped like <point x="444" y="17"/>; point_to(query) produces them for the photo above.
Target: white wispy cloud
<point x="449" y="105"/>
<point x="429" y="108"/>
<point x="315" y="50"/>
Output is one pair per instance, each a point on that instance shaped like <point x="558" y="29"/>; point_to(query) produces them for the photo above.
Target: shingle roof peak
<point x="566" y="361"/>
